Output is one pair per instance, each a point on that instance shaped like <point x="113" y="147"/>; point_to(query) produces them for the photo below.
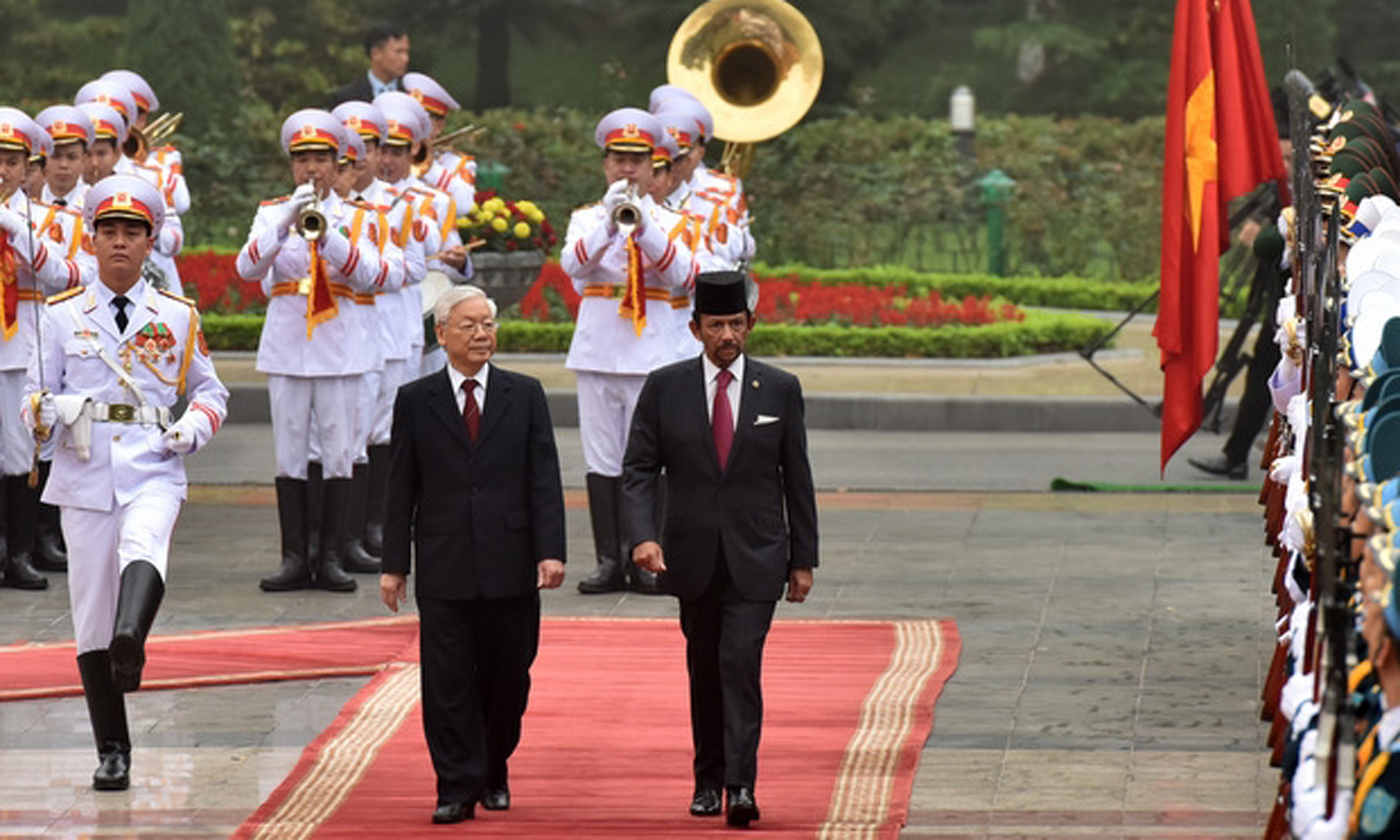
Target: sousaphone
<point x="755" y="64"/>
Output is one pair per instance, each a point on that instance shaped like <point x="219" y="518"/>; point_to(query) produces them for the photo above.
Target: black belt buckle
<point x="121" y="413"/>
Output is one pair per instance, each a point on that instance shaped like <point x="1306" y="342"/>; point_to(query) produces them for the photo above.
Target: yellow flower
<point x="474" y="210"/>
<point x="522" y="230"/>
<point x="495" y="205"/>
<point x="526" y="207"/>
<point x="535" y="215"/>
<point x="499" y="225"/>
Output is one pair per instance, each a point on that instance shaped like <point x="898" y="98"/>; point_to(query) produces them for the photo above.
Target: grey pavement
<point x="1113" y="644"/>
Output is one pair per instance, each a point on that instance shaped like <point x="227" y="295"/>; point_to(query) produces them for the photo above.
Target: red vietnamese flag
<point x="1221" y="142"/>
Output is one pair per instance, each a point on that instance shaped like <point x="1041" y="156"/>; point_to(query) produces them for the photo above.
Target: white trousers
<point x="16" y="443"/>
<point x="332" y="400"/>
<point x="394" y="376"/>
<point x="432" y="361"/>
<point x="366" y="412"/>
<point x="100" y="545"/>
<point x="605" y="405"/>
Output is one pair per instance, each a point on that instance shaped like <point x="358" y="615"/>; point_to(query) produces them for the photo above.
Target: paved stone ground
<point x="1113" y="645"/>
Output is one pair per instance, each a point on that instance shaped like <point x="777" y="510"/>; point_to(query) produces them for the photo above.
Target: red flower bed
<point x="211" y="277"/>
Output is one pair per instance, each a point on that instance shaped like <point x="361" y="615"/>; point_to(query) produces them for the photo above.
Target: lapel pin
<point x="755" y="383"/>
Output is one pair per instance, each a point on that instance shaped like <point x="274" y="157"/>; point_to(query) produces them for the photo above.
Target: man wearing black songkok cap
<point x="741" y="526"/>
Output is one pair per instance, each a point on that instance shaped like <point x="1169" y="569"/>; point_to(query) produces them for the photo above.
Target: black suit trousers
<point x="724" y="637"/>
<point x="476" y="657"/>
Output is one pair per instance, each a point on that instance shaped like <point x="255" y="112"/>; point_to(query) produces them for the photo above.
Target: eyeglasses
<point x="487" y="327"/>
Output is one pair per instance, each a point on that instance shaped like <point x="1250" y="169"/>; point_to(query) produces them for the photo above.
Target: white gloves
<point x="614" y="195"/>
<point x="302" y="197"/>
<point x="40" y="413"/>
<point x="186" y="434"/>
<point x="12" y="223"/>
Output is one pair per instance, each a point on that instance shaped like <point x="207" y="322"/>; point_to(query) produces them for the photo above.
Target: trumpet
<point x="311" y="219"/>
<point x="627" y="214"/>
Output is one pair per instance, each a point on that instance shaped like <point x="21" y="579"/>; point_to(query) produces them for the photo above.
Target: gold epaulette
<point x="271" y="201"/>
<point x="181" y="298"/>
<point x="65" y="295"/>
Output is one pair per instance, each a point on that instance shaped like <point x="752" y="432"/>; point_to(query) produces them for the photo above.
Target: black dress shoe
<point x="454" y="812"/>
<point x="114" y="773"/>
<point x="742" y="809"/>
<point x="705" y="803"/>
<point x="1222" y="466"/>
<point x="496" y="799"/>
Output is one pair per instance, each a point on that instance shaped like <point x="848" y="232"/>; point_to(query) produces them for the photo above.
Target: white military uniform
<point x="72" y="201"/>
<point x="455" y="174"/>
<point x="610" y="358"/>
<point x="121" y="488"/>
<point x="435" y="229"/>
<point x="314" y="369"/>
<point x="398" y="310"/>
<point x="42" y="269"/>
<point x="64" y="227"/>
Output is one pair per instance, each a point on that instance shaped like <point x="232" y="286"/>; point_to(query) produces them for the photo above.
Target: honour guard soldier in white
<point x="627" y="267"/>
<point x="408" y="124"/>
<point x="401" y="331"/>
<point x="444" y="169"/>
<point x="38" y="163"/>
<point x="312" y="252"/>
<point x="31" y="267"/>
<point x="114" y="359"/>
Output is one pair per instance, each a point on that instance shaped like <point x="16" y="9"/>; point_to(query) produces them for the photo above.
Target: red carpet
<point x="606" y="747"/>
<point x="223" y="657"/>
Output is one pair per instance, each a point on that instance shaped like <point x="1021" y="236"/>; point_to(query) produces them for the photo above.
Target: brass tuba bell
<point x="755" y="64"/>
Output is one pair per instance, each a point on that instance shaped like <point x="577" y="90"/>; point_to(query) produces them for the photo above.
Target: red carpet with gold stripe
<point x="606" y="745"/>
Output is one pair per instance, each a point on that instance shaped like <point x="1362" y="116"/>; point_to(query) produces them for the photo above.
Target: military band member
<point x="409" y="125"/>
<point x="108" y="135"/>
<point x="38" y="163"/>
<point x="312" y="340"/>
<point x="31" y="267"/>
<point x="718" y="196"/>
<point x="116" y="357"/>
<point x="446" y="169"/>
<point x="626" y="326"/>
<point x="400" y="326"/>
<point x="166" y="158"/>
<point x="73" y="135"/>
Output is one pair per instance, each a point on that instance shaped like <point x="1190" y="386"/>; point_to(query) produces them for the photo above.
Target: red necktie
<point x="722" y="420"/>
<point x="470" y="411"/>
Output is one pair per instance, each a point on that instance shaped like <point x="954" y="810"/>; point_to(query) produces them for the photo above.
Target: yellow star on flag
<point x="1202" y="164"/>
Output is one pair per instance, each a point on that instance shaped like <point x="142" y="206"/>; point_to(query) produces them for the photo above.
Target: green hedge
<point x="1041" y="332"/>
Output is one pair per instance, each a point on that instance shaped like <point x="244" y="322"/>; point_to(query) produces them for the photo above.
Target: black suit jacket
<point x="743" y="507"/>
<point x="480" y="516"/>
<point x="357" y="91"/>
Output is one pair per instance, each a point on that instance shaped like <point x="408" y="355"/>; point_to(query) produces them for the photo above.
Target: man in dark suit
<point x="728" y="431"/>
<point x="474" y="488"/>
<point x="387" y="48"/>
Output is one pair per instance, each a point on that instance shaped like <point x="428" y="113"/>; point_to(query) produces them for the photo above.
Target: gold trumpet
<point x="140" y="141"/>
<point x="311" y="219"/>
<point x="755" y="64"/>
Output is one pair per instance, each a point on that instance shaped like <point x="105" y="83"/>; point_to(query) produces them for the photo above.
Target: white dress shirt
<point x="458" y="378"/>
<point x="735" y="389"/>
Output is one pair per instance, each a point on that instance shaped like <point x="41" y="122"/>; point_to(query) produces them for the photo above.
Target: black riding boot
<point x="50" y="551"/>
<point x="141" y="592"/>
<point x="330" y="573"/>
<point x="356" y="558"/>
<point x="378" y="498"/>
<point x="295" y="571"/>
<point x="610" y="576"/>
<point x="107" y="711"/>
<point x="17" y="567"/>
<point x="315" y="503"/>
